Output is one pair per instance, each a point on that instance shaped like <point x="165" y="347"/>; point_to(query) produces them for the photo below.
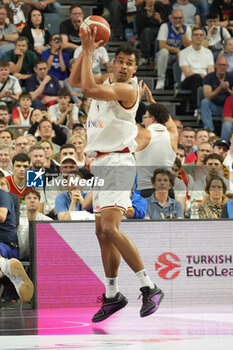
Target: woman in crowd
<point x="212" y="205"/>
<point x="35" y="31"/>
<point x="80" y="142"/>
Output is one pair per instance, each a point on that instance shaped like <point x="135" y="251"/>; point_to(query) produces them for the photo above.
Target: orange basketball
<point x="103" y="27"/>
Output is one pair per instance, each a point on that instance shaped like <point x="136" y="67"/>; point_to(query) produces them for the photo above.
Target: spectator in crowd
<point x="159" y="204"/>
<point x="84" y="108"/>
<point x="224" y="9"/>
<point x="32" y="201"/>
<point x="186" y="178"/>
<point x="76" y="93"/>
<point x="21" y="145"/>
<point x="215" y="35"/>
<point x="12" y="268"/>
<point x="21" y="114"/>
<point x="138" y="209"/>
<point x="179" y="185"/>
<point x="21" y="59"/>
<point x="6" y="137"/>
<point x="180" y="153"/>
<point x="227" y="210"/>
<point x="52" y="168"/>
<point x="78" y="128"/>
<point x="221" y="147"/>
<point x="58" y="61"/>
<point x="69" y="29"/>
<point x="173" y="36"/>
<point x="37" y="157"/>
<point x="228" y="53"/>
<point x="67" y="150"/>
<point x="10" y="88"/>
<point x="201" y="136"/>
<point x="228" y="160"/>
<point x="195" y="168"/>
<point x="195" y="62"/>
<point x="149" y="16"/>
<point x="32" y="141"/>
<point x="217" y="86"/>
<point x="157" y="145"/>
<point x="187" y="140"/>
<point x="190" y="12"/>
<point x="70" y="200"/>
<point x="118" y="18"/>
<point x="179" y="125"/>
<point x="46" y="130"/>
<point x="79" y="142"/>
<point x="5" y="160"/>
<point x="100" y="57"/>
<point x="64" y="112"/>
<point x="17" y="182"/>
<point x="213" y="202"/>
<point x="213" y="166"/>
<point x="8" y="34"/>
<point x="15" y="197"/>
<point x="227" y="122"/>
<point x="48" y="6"/>
<point x="42" y="86"/>
<point x="17" y="13"/>
<point x="38" y="36"/>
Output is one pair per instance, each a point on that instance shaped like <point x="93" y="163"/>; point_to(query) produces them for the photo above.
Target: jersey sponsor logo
<point x="95" y="124"/>
<point x="35" y="178"/>
<point x="168" y="266"/>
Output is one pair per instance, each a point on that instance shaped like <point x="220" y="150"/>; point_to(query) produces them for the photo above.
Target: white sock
<point x="2" y="266"/>
<point x="111" y="287"/>
<point x="144" y="279"/>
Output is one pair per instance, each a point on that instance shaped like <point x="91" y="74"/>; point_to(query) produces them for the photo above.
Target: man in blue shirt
<point x="10" y="266"/>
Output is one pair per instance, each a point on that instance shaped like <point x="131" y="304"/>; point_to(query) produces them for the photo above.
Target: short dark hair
<point x="45" y="119"/>
<point x="195" y="28"/>
<point x="74" y="6"/>
<point x="21" y="38"/>
<point x="159" y="112"/>
<point x="67" y="145"/>
<point x="215" y="177"/>
<point x="4" y="63"/>
<point x="213" y="156"/>
<point x="9" y="132"/>
<point x="179" y="146"/>
<point x="212" y="15"/>
<point x="25" y="95"/>
<point x="165" y="172"/>
<point x="33" y="192"/>
<point x="29" y="22"/>
<point x="39" y="61"/>
<point x="178" y="163"/>
<point x="128" y="49"/>
<point x="21" y="157"/>
<point x="35" y="147"/>
<point x="63" y="92"/>
<point x="4" y="108"/>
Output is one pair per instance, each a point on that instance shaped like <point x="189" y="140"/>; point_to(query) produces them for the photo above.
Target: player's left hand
<point x="88" y="40"/>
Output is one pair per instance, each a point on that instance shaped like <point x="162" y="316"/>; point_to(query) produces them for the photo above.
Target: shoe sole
<point x="154" y="309"/>
<point x="26" y="289"/>
<point x="105" y="316"/>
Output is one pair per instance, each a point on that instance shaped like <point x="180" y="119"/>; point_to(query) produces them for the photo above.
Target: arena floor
<point x="72" y="329"/>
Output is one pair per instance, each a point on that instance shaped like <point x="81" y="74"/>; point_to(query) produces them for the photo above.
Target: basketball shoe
<point x="110" y="306"/>
<point x="151" y="298"/>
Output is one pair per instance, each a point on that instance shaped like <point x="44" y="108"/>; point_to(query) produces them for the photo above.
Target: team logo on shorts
<point x="35" y="178"/>
<point x="168" y="266"/>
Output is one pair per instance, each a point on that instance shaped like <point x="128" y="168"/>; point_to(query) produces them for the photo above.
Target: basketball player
<point x="111" y="131"/>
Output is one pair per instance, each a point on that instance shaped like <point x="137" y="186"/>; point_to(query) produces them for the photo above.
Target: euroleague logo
<point x="168" y="266"/>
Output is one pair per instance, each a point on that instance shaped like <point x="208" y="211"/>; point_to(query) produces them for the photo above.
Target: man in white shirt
<point x="10" y="88"/>
<point x="100" y="57"/>
<point x="195" y="62"/>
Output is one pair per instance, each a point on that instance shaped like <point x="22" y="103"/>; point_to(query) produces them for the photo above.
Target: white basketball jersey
<point x="110" y="126"/>
<point x="158" y="154"/>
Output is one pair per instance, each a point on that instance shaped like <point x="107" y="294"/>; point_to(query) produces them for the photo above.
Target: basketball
<point x="103" y="28"/>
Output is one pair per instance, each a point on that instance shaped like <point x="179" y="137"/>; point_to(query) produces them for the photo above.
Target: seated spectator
<point x="38" y="36"/>
<point x="64" y="112"/>
<point x="190" y="11"/>
<point x="138" y="209"/>
<point x="228" y="53"/>
<point x="186" y="178"/>
<point x="100" y="57"/>
<point x="221" y="148"/>
<point x="180" y="153"/>
<point x="48" y="6"/>
<point x="196" y="168"/>
<point x="227" y="123"/>
<point x="213" y="202"/>
<point x="79" y="142"/>
<point x="173" y="36"/>
<point x="69" y="29"/>
<point x="78" y="128"/>
<point x="159" y="204"/>
<point x="228" y="161"/>
<point x="76" y="93"/>
<point x="17" y="13"/>
<point x="8" y="34"/>
<point x="21" y="145"/>
<point x="224" y="9"/>
<point x="32" y="141"/>
<point x="195" y="62"/>
<point x="213" y="166"/>
<point x="22" y="60"/>
<point x="42" y="86"/>
<point x="47" y="129"/>
<point x="215" y="35"/>
<point x="201" y="136"/>
<point x="21" y="114"/>
<point x="5" y="160"/>
<point x="10" y="88"/>
<point x="187" y="140"/>
<point x="52" y="167"/>
<point x="6" y="137"/>
<point x="32" y="201"/>
<point x="84" y="108"/>
<point x="58" y="61"/>
<point x="217" y="86"/>
<point x="179" y="126"/>
<point x="72" y="199"/>
<point x="149" y="16"/>
<point x="179" y="186"/>
<point x="67" y="150"/>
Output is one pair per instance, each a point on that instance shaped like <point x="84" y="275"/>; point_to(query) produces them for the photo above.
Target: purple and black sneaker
<point x="109" y="307"/>
<point x="151" y="298"/>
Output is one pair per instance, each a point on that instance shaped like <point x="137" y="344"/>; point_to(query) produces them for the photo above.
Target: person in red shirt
<point x="21" y="115"/>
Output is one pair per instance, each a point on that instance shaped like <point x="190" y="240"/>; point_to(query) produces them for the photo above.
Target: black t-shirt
<point x="66" y="27"/>
<point x="212" y="80"/>
<point x="8" y="231"/>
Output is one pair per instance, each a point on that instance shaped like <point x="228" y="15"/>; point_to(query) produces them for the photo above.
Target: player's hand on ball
<point x="88" y="40"/>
